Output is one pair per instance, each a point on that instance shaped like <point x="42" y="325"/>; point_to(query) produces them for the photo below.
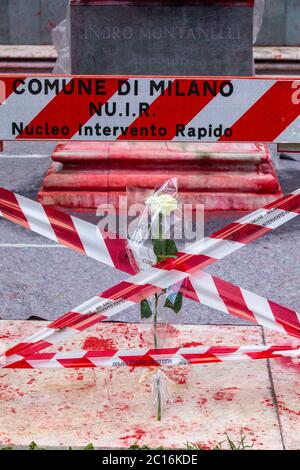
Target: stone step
<point x="188" y="179"/>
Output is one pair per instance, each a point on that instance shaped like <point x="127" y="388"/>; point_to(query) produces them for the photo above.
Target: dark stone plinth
<point x="172" y="38"/>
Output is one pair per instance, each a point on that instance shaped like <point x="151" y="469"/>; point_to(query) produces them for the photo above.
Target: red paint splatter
<point x="8" y="393"/>
<point x="30" y="381"/>
<point x="289" y="363"/>
<point x="80" y="376"/>
<point x="225" y="394"/>
<point x="13" y="410"/>
<point x="179" y="375"/>
<point x="122" y="407"/>
<point x="281" y="406"/>
<point x="202" y="401"/>
<point x="98" y="344"/>
<point x="137" y="436"/>
<point x="192" y="344"/>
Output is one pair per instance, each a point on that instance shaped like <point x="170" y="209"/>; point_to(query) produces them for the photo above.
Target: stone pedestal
<point x="141" y="37"/>
<point x="221" y="176"/>
<point x="196" y="37"/>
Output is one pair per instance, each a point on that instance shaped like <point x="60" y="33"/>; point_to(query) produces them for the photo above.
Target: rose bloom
<point x="165" y="204"/>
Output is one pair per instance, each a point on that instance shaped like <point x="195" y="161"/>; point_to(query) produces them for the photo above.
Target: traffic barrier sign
<point x="180" y="109"/>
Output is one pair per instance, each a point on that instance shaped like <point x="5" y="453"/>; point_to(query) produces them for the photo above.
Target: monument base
<point x="113" y="408"/>
<point x="223" y="176"/>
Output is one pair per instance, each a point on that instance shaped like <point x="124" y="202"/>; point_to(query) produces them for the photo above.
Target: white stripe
<point x="45" y="364"/>
<point x="62" y="335"/>
<point x="294" y="353"/>
<point x="227" y="110"/>
<point x="92" y="240"/>
<point x="290" y="133"/>
<point x="106" y="361"/>
<point x="123" y="121"/>
<point x="7" y="360"/>
<point x="271" y="218"/>
<point x="23" y="108"/>
<point x="158" y="277"/>
<point x="103" y="306"/>
<point x="213" y="247"/>
<point x="233" y="357"/>
<point x="88" y="305"/>
<point x="40" y="335"/>
<point x="70" y="355"/>
<point x="206" y="291"/>
<point x="253" y="349"/>
<point x="261" y="310"/>
<point x="36" y="217"/>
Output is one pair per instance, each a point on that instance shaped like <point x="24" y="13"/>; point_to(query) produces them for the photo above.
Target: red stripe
<point x="104" y="353"/>
<point x="177" y="109"/>
<point x="222" y="350"/>
<point x="9" y="81"/>
<point x="242" y="233"/>
<point x="198" y="359"/>
<point x="23" y="349"/>
<point x="288" y="203"/>
<point x="139" y="361"/>
<point x="188" y="290"/>
<point x="127" y="291"/>
<point x="268" y="117"/>
<point x="287" y="318"/>
<point x="186" y="262"/>
<point x="121" y="255"/>
<point x="64" y="229"/>
<point x="11" y="209"/>
<point x="68" y="319"/>
<point x="76" y="362"/>
<point x="40" y="356"/>
<point x="234" y="300"/>
<point x="23" y="364"/>
<point x="90" y="321"/>
<point x="71" y="109"/>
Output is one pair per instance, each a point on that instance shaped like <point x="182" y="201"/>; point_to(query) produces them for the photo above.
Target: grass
<point x="226" y="444"/>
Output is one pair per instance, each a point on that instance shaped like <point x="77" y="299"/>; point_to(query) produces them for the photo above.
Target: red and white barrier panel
<point x="169" y="272"/>
<point x="182" y="109"/>
<point x="149" y="357"/>
<point x="82" y="236"/>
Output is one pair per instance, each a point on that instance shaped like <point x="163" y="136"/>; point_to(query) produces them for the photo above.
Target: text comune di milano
<point x="132" y="108"/>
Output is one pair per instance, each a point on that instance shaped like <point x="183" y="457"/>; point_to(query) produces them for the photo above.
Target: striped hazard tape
<point x="149" y="357"/>
<point x="183" y="109"/>
<point x="200" y="286"/>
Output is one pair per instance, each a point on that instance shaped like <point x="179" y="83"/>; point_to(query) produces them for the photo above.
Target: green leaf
<point x="146" y="311"/>
<point x="174" y="301"/>
<point x="164" y="248"/>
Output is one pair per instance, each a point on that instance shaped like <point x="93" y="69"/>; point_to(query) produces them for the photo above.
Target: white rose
<point x="165" y="204"/>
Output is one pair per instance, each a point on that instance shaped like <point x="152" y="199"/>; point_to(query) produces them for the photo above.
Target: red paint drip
<point x="98" y="344"/>
<point x="288" y="363"/>
<point x="192" y="344"/>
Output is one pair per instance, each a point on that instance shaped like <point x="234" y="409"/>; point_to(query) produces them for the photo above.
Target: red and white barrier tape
<point x="234" y="300"/>
<point x="72" y="232"/>
<point x="149" y="357"/>
<point x="144" y="284"/>
<point x="206" y="109"/>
